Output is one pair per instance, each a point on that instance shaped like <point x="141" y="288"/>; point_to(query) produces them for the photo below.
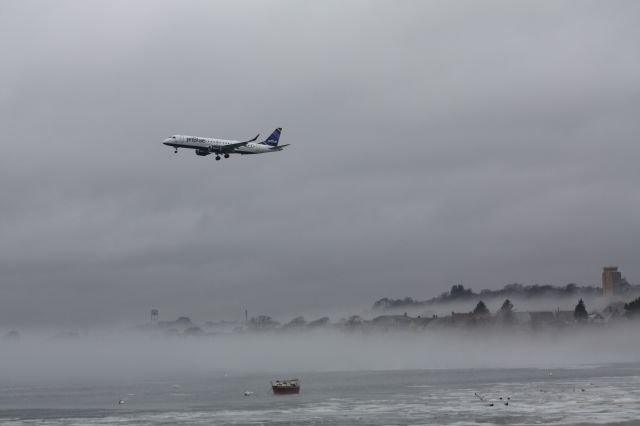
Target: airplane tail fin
<point x="274" y="138"/>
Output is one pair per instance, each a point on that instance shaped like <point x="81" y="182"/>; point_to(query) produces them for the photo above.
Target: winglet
<point x="251" y="140"/>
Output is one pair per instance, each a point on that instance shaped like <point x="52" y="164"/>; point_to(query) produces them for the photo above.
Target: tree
<point x="320" y="322"/>
<point x="580" y="312"/>
<point x="458" y="291"/>
<point x="262" y="322"/>
<point x="183" y="321"/>
<point x="506" y="311"/>
<point x="194" y="331"/>
<point x="354" y="321"/>
<point x="507" y="307"/>
<point x="633" y="308"/>
<point x="571" y="288"/>
<point x="481" y="309"/>
<point x="297" y="322"/>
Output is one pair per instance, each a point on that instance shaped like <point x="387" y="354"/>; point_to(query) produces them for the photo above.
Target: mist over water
<point x="576" y="375"/>
<point x="109" y="357"/>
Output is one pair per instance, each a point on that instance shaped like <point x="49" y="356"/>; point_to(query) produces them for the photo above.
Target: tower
<point x="611" y="277"/>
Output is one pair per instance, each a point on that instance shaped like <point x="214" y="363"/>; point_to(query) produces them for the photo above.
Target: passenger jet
<point x="206" y="146"/>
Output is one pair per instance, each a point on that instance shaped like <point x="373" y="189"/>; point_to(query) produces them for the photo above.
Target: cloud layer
<point x="432" y="143"/>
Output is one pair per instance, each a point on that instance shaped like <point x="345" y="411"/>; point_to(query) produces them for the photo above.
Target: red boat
<point x="285" y="386"/>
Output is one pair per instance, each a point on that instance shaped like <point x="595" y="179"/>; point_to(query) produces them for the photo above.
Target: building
<point x="611" y="280"/>
<point x="541" y="318"/>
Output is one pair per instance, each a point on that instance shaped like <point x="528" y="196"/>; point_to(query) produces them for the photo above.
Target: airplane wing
<point x="253" y="140"/>
<point x="232" y="146"/>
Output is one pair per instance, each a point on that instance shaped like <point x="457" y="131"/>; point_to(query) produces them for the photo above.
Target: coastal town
<point x="517" y="307"/>
<point x="616" y="302"/>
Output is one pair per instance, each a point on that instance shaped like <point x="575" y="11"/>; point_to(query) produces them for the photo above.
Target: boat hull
<point x="284" y="387"/>
<point x="285" y="390"/>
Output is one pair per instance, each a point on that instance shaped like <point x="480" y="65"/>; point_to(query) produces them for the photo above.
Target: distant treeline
<point x="513" y="291"/>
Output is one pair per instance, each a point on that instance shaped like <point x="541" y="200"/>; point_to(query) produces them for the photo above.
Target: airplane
<point x="207" y="146"/>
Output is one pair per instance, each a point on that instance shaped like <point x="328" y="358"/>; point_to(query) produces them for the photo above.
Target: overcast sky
<point x="432" y="143"/>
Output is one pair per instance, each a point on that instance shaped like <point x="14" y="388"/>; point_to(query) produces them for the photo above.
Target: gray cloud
<point x="432" y="143"/>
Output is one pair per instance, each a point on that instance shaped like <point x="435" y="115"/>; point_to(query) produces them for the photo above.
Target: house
<point x="614" y="311"/>
<point x="564" y="317"/>
<point x="541" y="318"/>
<point x="459" y="319"/>
<point x="596" y="318"/>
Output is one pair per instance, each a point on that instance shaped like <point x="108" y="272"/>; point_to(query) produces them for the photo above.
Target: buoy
<point x="248" y="393"/>
<point x="122" y="401"/>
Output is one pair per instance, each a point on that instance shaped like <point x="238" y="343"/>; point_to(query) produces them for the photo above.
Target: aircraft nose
<point x="166" y="141"/>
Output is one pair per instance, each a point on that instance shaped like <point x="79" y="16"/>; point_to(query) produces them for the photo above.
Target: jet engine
<point x="202" y="152"/>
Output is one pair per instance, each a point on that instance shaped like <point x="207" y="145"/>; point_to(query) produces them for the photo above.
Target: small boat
<point x="285" y="386"/>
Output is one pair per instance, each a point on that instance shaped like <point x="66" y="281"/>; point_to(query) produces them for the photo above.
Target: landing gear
<point x="226" y="156"/>
<point x="217" y="158"/>
<point x="176" y="151"/>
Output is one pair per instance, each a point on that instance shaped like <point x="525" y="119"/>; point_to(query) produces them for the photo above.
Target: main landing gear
<point x="217" y="158"/>
<point x="226" y="156"/>
<point x="176" y="151"/>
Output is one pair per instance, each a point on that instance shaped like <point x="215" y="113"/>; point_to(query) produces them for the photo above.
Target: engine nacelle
<point x="202" y="152"/>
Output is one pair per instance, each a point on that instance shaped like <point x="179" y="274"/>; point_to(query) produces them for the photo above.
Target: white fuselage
<point x="216" y="145"/>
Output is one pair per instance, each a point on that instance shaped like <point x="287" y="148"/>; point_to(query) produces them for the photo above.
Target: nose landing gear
<point x="176" y="151"/>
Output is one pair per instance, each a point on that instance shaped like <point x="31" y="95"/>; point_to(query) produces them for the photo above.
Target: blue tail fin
<point x="274" y="138"/>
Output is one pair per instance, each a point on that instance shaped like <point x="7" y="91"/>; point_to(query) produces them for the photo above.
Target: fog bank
<point x="110" y="358"/>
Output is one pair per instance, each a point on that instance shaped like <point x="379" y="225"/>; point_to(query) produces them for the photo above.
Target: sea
<point x="580" y="395"/>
